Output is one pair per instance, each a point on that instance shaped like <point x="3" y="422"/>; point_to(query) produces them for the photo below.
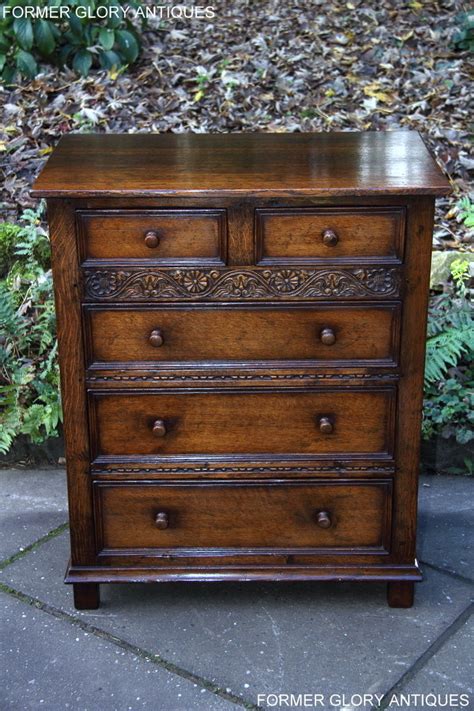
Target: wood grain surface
<point x="229" y="423"/>
<point x="239" y="334"/>
<point x="245" y="516"/>
<point x="395" y="162"/>
<point x="329" y="234"/>
<point x="181" y="235"/>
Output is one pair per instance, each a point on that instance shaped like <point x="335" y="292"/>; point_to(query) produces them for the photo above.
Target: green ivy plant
<point x="449" y="375"/>
<point x="79" y="43"/>
<point x="29" y="375"/>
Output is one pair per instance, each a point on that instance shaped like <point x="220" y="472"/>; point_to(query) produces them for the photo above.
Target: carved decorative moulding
<point x="205" y="284"/>
<point x="230" y="378"/>
<point x="264" y="469"/>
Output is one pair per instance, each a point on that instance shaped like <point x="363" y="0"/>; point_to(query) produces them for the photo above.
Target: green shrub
<point x="463" y="38"/>
<point x="29" y="377"/>
<point x="448" y="408"/>
<point x="9" y="235"/>
<point x="449" y="376"/>
<point x="76" y="42"/>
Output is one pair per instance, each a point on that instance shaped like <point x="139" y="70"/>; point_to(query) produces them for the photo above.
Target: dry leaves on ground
<point x="302" y="65"/>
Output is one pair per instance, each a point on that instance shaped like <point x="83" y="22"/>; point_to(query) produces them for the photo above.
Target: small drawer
<point x="307" y="235"/>
<point x="309" y="516"/>
<point x="164" y="236"/>
<point x="337" y="422"/>
<point x="240" y="334"/>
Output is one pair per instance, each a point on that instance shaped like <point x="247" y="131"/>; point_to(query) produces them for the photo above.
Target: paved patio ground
<point x="175" y="647"/>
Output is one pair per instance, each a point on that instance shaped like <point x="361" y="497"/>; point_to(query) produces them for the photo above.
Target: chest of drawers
<point x="241" y="324"/>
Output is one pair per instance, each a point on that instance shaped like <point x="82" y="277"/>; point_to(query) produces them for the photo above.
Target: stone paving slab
<point x="261" y="638"/>
<point x="451" y="670"/>
<point x="49" y="664"/>
<point x="32" y="503"/>
<point x="446" y="522"/>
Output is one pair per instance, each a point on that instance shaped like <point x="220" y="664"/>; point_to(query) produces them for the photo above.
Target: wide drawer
<point x="238" y="334"/>
<point x="164" y="236"/>
<point x="342" y="422"/>
<point x="311" y="515"/>
<point x="329" y="234"/>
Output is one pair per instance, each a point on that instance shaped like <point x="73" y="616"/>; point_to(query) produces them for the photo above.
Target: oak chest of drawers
<point x="241" y="326"/>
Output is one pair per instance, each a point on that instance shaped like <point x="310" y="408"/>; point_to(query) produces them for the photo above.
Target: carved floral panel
<point x="252" y="284"/>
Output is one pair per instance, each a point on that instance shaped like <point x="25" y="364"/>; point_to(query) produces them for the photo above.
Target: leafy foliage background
<point x="73" y="41"/>
<point x="29" y="377"/>
<point x="449" y="370"/>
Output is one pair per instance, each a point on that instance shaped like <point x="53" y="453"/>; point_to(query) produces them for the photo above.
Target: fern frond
<point x="446" y="350"/>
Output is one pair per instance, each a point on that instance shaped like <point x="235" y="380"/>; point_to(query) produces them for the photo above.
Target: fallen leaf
<point x="373" y="90"/>
<point x="280" y="70"/>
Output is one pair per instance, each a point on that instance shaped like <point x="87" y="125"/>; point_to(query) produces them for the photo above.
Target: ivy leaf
<point x="23" y="30"/>
<point x="106" y="38"/>
<point x="44" y="37"/>
<point x="26" y="64"/>
<point x="57" y="34"/>
<point x="8" y="75"/>
<point x="87" y="35"/>
<point x="5" y="43"/>
<point x="109" y="59"/>
<point x="75" y="24"/>
<point x="114" y="21"/>
<point x="128" y="45"/>
<point x="3" y="59"/>
<point x="82" y="62"/>
<point x="64" y="54"/>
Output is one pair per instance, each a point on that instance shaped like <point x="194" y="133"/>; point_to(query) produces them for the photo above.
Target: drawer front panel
<point x="167" y="236"/>
<point x="317" y="515"/>
<point x="325" y="234"/>
<point x="243" y="334"/>
<point x="175" y="423"/>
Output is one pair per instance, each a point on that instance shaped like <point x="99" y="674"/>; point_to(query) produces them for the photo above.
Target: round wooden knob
<point x="327" y="336"/>
<point x="323" y="519"/>
<point x="330" y="238"/>
<point x="325" y="425"/>
<point x="161" y="520"/>
<point x="152" y="239"/>
<point x="156" y="338"/>
<point x="159" y="428"/>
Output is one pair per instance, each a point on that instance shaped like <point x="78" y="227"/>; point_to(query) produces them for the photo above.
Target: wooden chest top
<point x="292" y="164"/>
